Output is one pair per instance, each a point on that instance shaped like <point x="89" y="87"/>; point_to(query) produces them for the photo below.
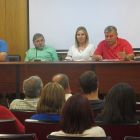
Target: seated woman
<point x="120" y="105"/>
<point x="82" y="50"/>
<point x="77" y="119"/>
<point x="50" y="103"/>
<point x="7" y="114"/>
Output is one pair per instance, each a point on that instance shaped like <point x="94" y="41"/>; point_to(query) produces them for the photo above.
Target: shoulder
<point x="49" y="47"/>
<point x="31" y="49"/>
<point x="91" y="46"/>
<point x="122" y="41"/>
<point x="2" y="42"/>
<point x="98" y="131"/>
<point x="58" y="133"/>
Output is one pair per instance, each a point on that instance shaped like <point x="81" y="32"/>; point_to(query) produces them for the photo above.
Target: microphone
<point x="36" y="52"/>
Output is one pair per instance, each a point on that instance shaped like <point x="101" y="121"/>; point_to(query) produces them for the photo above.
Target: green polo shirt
<point x="45" y="54"/>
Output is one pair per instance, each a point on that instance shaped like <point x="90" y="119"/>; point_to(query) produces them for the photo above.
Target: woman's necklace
<point x="81" y="49"/>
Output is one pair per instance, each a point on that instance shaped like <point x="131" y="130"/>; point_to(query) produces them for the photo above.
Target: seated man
<point x="31" y="88"/>
<point x="113" y="47"/>
<point x="41" y="51"/>
<point x="3" y="51"/>
<point x="89" y="84"/>
<point x="63" y="80"/>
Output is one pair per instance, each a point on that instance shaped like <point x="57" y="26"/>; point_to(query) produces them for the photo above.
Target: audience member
<point x="7" y="114"/>
<point x="113" y="47"/>
<point x="77" y="119"/>
<point x="90" y="85"/>
<point x="50" y="103"/>
<point x="41" y="51"/>
<point x="120" y="105"/>
<point x="82" y="50"/>
<point x="63" y="80"/>
<point x="3" y="51"/>
<point x="31" y="88"/>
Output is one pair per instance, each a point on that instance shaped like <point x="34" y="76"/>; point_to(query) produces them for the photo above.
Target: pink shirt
<point x="107" y="53"/>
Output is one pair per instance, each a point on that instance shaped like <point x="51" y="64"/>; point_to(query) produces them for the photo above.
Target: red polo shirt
<point x="107" y="53"/>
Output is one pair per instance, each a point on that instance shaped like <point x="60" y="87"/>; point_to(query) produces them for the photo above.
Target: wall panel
<point x="16" y="27"/>
<point x="2" y="19"/>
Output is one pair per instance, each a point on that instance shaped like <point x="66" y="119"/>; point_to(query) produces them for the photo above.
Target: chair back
<point x="118" y="131"/>
<point x="131" y="138"/>
<point x="7" y="126"/>
<point x="50" y="137"/>
<point x="137" y="105"/>
<point x="14" y="58"/>
<point x="22" y="115"/>
<point x="41" y="128"/>
<point x="18" y="136"/>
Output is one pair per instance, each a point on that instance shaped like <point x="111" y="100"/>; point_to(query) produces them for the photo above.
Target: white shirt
<point x="95" y="131"/>
<point x="74" y="54"/>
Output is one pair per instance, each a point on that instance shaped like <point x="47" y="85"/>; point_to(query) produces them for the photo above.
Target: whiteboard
<point x="58" y="20"/>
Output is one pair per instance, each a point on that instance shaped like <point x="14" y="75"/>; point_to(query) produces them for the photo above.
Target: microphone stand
<point x="36" y="56"/>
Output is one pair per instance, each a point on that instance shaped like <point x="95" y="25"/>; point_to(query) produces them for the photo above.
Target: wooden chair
<point x="50" y="137"/>
<point x="22" y="115"/>
<point x="18" y="136"/>
<point x="131" y="138"/>
<point x="41" y="128"/>
<point x="118" y="131"/>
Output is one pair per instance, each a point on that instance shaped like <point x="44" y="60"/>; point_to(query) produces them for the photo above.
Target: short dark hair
<point x="76" y="115"/>
<point x="37" y="35"/>
<point x="32" y="86"/>
<point x="120" y="104"/>
<point x="64" y="81"/>
<point x="88" y="82"/>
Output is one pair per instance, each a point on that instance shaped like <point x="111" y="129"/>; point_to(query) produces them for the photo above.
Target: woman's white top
<point x="75" y="55"/>
<point x="95" y="131"/>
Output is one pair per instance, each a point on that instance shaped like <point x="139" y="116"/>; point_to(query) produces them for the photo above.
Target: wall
<point x="13" y="26"/>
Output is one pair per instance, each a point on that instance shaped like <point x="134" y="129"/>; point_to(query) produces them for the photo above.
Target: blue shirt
<point x="3" y="48"/>
<point x="46" y="117"/>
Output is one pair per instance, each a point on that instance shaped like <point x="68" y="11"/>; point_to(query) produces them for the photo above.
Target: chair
<point x="50" y="137"/>
<point x="14" y="58"/>
<point x="60" y="58"/>
<point x="41" y="128"/>
<point x="118" y="131"/>
<point x="131" y="138"/>
<point x="137" y="105"/>
<point x="7" y="126"/>
<point x="22" y="115"/>
<point x="18" y="136"/>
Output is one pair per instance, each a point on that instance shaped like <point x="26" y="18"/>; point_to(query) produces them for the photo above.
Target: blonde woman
<point x="82" y="50"/>
<point x="50" y="103"/>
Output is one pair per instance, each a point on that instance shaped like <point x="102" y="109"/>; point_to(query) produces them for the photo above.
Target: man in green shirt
<point x="41" y="51"/>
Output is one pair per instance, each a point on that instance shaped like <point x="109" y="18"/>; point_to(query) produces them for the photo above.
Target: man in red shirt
<point x="113" y="47"/>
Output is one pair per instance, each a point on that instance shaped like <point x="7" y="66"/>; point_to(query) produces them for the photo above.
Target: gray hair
<point x="64" y="81"/>
<point x="32" y="86"/>
<point x="37" y="35"/>
<point x="110" y="29"/>
<point x="86" y="33"/>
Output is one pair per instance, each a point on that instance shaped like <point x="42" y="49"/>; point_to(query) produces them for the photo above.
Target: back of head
<point x="86" y="33"/>
<point x="76" y="115"/>
<point x="88" y="82"/>
<point x="110" y="29"/>
<point x="52" y="99"/>
<point x="61" y="79"/>
<point x="120" y="104"/>
<point x="37" y="35"/>
<point x="32" y="87"/>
